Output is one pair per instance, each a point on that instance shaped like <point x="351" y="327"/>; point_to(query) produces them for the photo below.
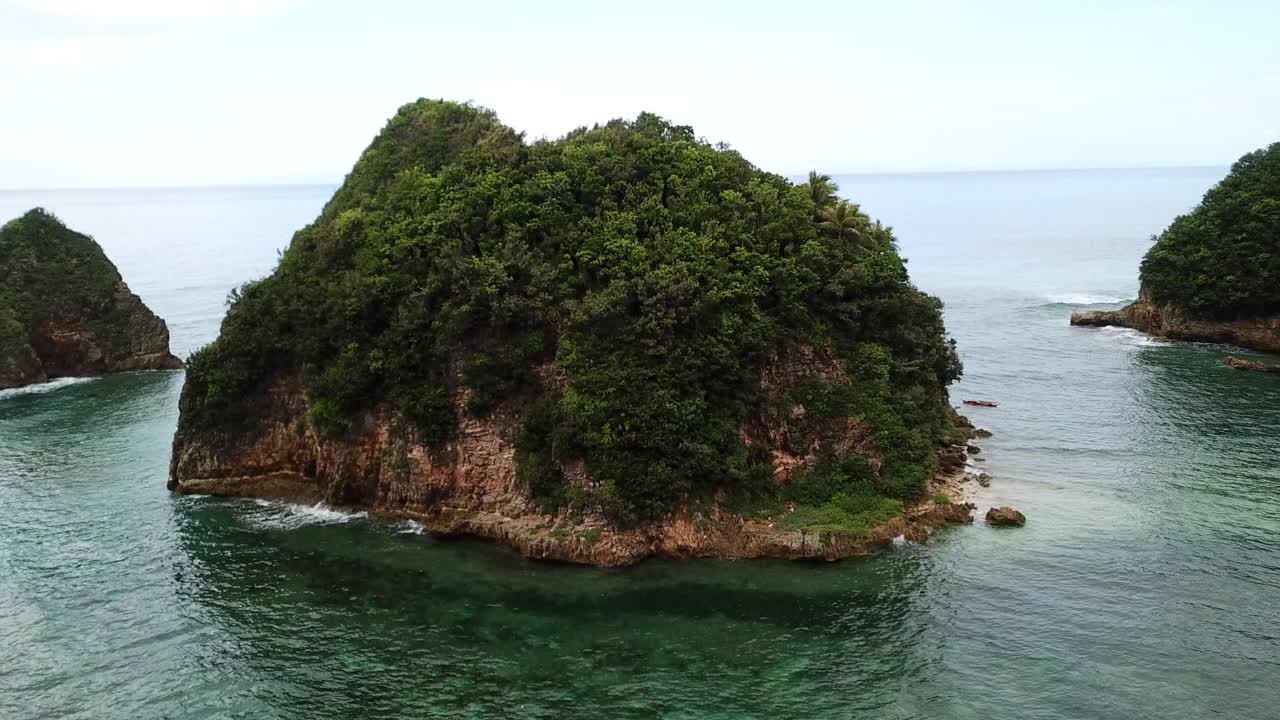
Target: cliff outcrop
<point x="1168" y="321"/>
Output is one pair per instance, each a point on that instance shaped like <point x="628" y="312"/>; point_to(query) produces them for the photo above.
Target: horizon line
<point x="864" y="173"/>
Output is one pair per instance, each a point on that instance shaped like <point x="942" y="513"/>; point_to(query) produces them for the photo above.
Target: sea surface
<point x="1146" y="583"/>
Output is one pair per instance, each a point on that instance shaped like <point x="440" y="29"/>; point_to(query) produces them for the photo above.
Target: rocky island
<point x="65" y="311"/>
<point x="621" y="343"/>
<point x="1214" y="274"/>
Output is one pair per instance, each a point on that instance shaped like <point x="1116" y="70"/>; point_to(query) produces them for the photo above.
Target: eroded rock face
<point x="468" y="488"/>
<point x="1005" y="517"/>
<point x="1170" y="322"/>
<point x="796" y="439"/>
<point x="64" y="310"/>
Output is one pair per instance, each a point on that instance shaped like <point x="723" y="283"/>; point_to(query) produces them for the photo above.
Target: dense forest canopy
<point x="1221" y="261"/>
<point x="48" y="270"/>
<point x="621" y="288"/>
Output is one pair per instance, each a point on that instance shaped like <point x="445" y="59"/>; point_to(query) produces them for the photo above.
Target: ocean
<point x="1146" y="583"/>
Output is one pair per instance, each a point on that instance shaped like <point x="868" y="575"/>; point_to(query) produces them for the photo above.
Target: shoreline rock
<point x="1169" y="322"/>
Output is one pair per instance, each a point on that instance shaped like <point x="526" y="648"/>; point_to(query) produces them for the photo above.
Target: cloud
<point x="148" y="12"/>
<point x="82" y="52"/>
<point x="78" y="35"/>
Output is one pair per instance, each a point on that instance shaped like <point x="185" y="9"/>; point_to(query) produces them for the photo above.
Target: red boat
<point x="980" y="403"/>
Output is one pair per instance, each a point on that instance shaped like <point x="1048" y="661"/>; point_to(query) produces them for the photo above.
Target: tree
<point x="843" y="220"/>
<point x="822" y="190"/>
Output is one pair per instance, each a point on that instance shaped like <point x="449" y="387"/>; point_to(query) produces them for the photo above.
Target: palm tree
<point x="821" y="190"/>
<point x="843" y="220"/>
<point x="885" y="231"/>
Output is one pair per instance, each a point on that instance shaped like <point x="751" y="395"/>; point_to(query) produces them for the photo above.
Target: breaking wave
<point x="295" y="515"/>
<point x="1081" y="298"/>
<point x="45" y="387"/>
<point x="1132" y="337"/>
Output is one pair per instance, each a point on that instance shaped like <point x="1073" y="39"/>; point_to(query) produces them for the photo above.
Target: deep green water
<point x="1145" y="585"/>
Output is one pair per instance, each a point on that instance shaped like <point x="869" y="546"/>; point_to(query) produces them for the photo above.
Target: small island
<point x="621" y="343"/>
<point x="1214" y="274"/>
<point x="65" y="311"/>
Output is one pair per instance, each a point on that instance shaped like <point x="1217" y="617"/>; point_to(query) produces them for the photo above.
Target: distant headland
<point x="1214" y="274"/>
<point x="65" y="311"/>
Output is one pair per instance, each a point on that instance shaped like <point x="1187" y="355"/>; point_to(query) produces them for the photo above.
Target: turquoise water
<point x="1145" y="585"/>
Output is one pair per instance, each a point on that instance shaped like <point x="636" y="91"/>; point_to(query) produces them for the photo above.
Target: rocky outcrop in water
<point x="65" y="311"/>
<point x="1253" y="365"/>
<point x="1005" y="517"/>
<point x="621" y="343"/>
<point x="1259" y="333"/>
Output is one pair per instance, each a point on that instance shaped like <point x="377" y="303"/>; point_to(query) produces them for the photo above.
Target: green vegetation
<point x="51" y="276"/>
<point x="941" y="499"/>
<point x="619" y="290"/>
<point x="47" y="270"/>
<point x="1221" y="261"/>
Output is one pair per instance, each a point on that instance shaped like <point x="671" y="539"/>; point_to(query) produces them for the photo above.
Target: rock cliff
<point x="64" y="309"/>
<point x="469" y="488"/>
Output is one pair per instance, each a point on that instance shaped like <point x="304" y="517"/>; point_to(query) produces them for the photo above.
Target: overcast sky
<point x="106" y="93"/>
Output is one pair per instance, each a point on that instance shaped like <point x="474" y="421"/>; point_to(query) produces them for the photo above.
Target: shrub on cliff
<point x="1221" y="261"/>
<point x="620" y="288"/>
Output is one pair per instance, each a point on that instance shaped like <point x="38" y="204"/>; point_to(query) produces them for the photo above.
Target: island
<point x="1214" y="274"/>
<point x="65" y="311"/>
<point x="622" y="343"/>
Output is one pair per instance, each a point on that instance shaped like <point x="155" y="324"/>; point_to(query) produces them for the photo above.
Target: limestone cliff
<point x="64" y="309"/>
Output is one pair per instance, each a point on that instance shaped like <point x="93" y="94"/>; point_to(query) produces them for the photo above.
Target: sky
<point x="147" y="93"/>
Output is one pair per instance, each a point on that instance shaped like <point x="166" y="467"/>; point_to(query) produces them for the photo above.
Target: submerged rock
<point x="1005" y="517"/>
<point x="1242" y="364"/>
<point x="64" y="309"/>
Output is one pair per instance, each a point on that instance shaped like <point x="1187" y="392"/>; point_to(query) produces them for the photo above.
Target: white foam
<point x="295" y="515"/>
<point x="1133" y="337"/>
<point x="410" y="527"/>
<point x="45" y="387"/>
<point x="1073" y="298"/>
<point x="901" y="541"/>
